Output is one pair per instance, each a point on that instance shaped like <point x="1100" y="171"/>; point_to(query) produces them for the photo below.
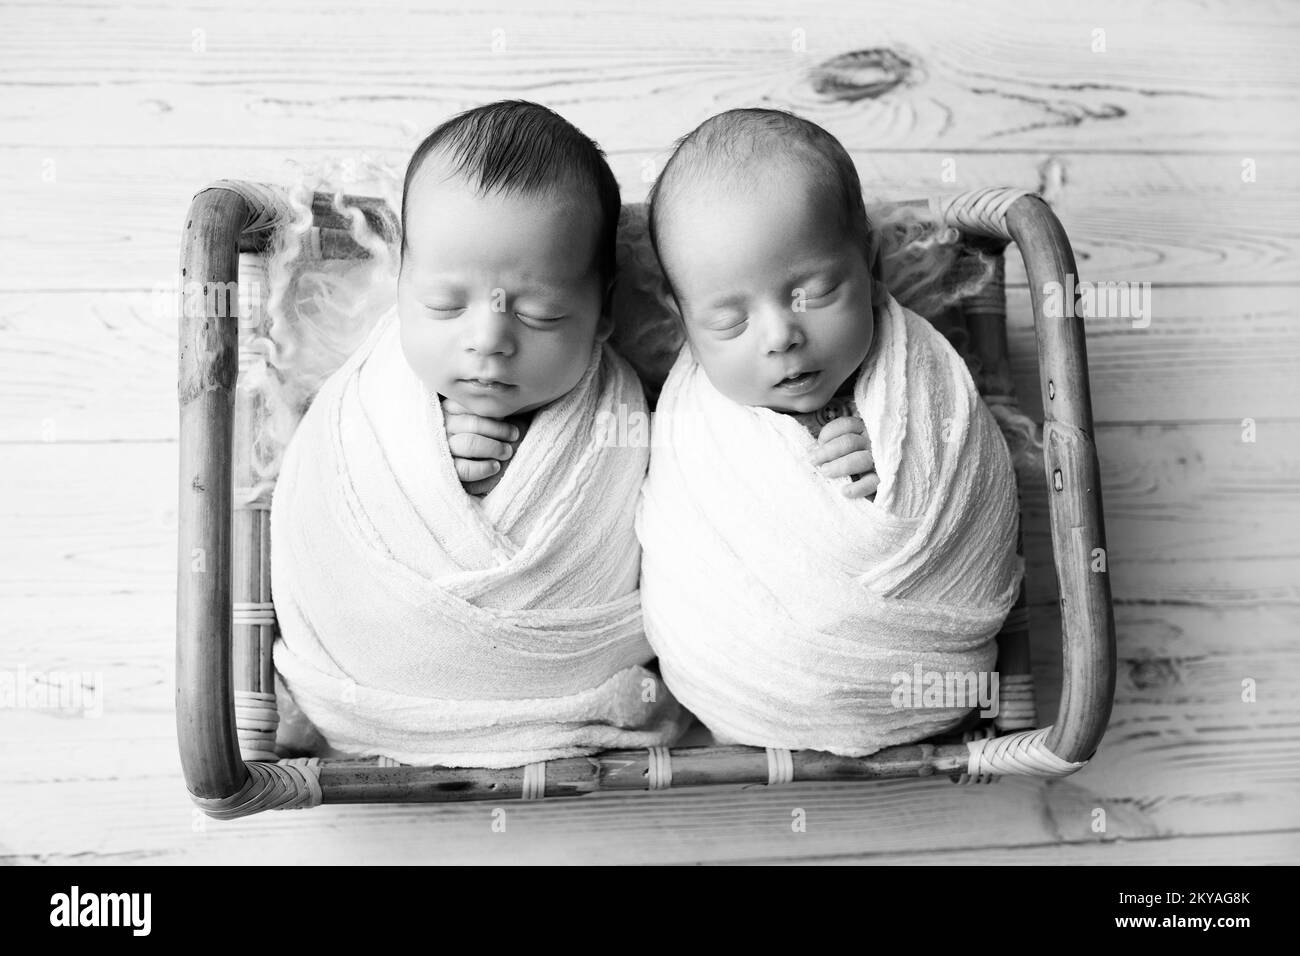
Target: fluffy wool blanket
<point x="424" y="624"/>
<point x="784" y="613"/>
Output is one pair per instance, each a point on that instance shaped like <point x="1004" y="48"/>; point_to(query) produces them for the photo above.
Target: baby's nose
<point x="490" y="332"/>
<point x="781" y="331"/>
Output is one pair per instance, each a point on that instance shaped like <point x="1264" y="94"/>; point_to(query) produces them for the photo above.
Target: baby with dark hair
<point x="829" y="502"/>
<point x="436" y="607"/>
<point x="509" y="216"/>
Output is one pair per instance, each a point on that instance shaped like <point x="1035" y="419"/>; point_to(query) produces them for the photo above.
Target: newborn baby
<point x="829" y="503"/>
<point x="500" y="626"/>
<point x="507" y="259"/>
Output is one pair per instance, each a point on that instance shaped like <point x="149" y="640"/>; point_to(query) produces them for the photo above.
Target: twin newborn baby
<point x="468" y="572"/>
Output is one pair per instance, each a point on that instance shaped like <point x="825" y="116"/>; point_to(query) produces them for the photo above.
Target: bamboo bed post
<point x="1073" y="482"/>
<point x="1073" y="487"/>
<point x="208" y="352"/>
<point x="227" y="218"/>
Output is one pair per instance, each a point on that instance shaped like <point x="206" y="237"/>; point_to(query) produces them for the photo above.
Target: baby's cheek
<point x="424" y="356"/>
<point x="574" y="365"/>
<point x="559" y="361"/>
<point x="738" y="381"/>
<point x="410" y="347"/>
<point x="859" y="324"/>
<point x="735" y="375"/>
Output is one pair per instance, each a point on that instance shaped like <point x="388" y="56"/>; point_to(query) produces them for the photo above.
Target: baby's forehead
<point x="793" y="167"/>
<point x="440" y="175"/>
<point x="779" y="186"/>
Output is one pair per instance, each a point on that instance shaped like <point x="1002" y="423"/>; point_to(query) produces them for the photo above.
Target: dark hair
<point x="520" y="147"/>
<point x="735" y="137"/>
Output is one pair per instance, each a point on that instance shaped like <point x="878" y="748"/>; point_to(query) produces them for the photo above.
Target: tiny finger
<point x="849" y="424"/>
<point x="839" y="447"/>
<point x="471" y="445"/>
<point x="469" y="469"/>
<point x="857" y="463"/>
<point x="864" y="487"/>
<point x="478" y="425"/>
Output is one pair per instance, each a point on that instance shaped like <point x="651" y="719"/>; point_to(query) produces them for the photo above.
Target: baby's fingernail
<point x="496" y="466"/>
<point x="514" y="433"/>
<point x="509" y="451"/>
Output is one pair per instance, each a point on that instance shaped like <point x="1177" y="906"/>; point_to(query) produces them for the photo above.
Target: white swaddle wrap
<point x="423" y="624"/>
<point x="780" y="609"/>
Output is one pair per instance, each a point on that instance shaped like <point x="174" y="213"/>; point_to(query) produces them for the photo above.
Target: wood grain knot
<point x="861" y="74"/>
<point x="1153" y="673"/>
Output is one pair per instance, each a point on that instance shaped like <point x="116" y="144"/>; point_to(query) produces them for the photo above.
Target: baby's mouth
<point x="799" y="381"/>
<point x="487" y="384"/>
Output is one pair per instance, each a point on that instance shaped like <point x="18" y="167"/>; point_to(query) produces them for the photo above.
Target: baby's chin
<point x="798" y="404"/>
<point x="491" y="404"/>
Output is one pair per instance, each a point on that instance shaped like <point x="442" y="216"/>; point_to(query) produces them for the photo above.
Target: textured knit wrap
<point x="424" y="624"/>
<point x="783" y="611"/>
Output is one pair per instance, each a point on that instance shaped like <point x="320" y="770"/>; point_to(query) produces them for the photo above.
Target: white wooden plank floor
<point x="114" y="116"/>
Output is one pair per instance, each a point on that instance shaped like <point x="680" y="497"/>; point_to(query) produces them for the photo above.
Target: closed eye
<point x="823" y="294"/>
<point x="538" y="318"/>
<point x="728" y="326"/>
<point x="445" y="309"/>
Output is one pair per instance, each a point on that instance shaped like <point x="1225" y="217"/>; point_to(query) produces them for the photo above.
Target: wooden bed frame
<point x="226" y="622"/>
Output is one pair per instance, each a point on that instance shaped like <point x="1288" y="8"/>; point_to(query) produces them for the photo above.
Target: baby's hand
<point x="479" y="446"/>
<point x="844" y="451"/>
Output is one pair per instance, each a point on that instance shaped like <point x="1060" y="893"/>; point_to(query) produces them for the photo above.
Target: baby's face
<point x="775" y="300"/>
<point x="499" y="298"/>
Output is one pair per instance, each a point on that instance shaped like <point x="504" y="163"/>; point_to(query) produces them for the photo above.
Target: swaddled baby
<point x="830" y="510"/>
<point x="454" y="561"/>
